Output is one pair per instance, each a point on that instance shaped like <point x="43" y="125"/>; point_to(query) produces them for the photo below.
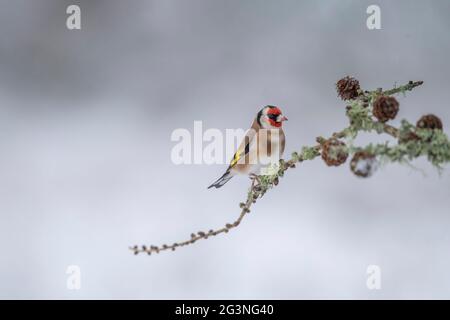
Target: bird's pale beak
<point x="283" y="118"/>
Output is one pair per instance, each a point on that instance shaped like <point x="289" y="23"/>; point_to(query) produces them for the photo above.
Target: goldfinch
<point x="262" y="145"/>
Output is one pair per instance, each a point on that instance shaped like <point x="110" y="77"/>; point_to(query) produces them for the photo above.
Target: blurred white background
<point x="86" y="118"/>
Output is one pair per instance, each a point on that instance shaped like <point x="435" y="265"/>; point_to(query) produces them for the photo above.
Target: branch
<point x="367" y="111"/>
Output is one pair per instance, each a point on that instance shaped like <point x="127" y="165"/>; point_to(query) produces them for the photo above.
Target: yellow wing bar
<point x="235" y="160"/>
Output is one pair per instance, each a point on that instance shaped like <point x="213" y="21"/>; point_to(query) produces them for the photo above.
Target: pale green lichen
<point x="309" y="153"/>
<point x="271" y="169"/>
<point x="360" y="118"/>
<point x="433" y="144"/>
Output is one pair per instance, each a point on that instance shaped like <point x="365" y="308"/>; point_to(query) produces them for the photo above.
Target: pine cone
<point x="363" y="164"/>
<point x="385" y="108"/>
<point x="429" y="121"/>
<point x="334" y="152"/>
<point x="348" y="88"/>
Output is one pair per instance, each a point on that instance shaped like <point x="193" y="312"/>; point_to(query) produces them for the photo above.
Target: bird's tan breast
<point x="271" y="144"/>
<point x="267" y="147"/>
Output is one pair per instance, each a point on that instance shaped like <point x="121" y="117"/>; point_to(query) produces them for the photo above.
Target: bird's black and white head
<point x="270" y="117"/>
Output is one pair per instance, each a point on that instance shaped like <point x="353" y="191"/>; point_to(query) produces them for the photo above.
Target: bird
<point x="263" y="142"/>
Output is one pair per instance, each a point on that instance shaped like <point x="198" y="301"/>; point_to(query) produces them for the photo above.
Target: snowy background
<point x="85" y="169"/>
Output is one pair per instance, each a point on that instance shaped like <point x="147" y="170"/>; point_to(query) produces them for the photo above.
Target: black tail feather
<point x="222" y="180"/>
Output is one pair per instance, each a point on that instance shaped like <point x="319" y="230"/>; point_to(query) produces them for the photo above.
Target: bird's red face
<point x="273" y="116"/>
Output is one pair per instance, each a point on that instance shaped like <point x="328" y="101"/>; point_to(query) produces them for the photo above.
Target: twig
<point x="334" y="152"/>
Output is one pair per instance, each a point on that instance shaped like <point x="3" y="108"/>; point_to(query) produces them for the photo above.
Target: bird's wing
<point x="282" y="142"/>
<point x="244" y="147"/>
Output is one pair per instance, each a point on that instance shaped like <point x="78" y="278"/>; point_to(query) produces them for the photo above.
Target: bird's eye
<point x="272" y="116"/>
